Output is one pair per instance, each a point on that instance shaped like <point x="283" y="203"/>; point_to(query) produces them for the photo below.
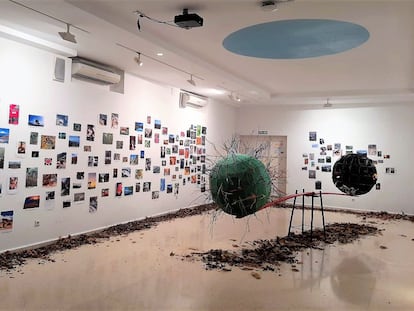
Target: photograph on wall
<point x="312" y="174"/>
<point x="66" y="203"/>
<point x="35" y="120"/>
<point x="14" y="114"/>
<point x="119" y="144"/>
<point x="6" y="224"/>
<point x="35" y="154"/>
<point x="148" y="133"/>
<point x="105" y="192"/>
<point x="146" y="187"/>
<point x="93" y="161"/>
<point x="34" y="138"/>
<point x="378" y="186"/>
<point x="32" y="201"/>
<point x="133" y="159"/>
<point x="118" y="189"/>
<point x="312" y="136"/>
<point x="62" y="120"/>
<point x="140" y="138"/>
<point x="170" y="187"/>
<point x="128" y="190"/>
<point x="132" y="142"/>
<point x="362" y="152"/>
<point x="137" y="187"/>
<point x="318" y="185"/>
<point x="372" y="150"/>
<point x="125" y="159"/>
<point x="47" y="142"/>
<point x="148" y="119"/>
<point x="49" y="180"/>
<point x="390" y="170"/>
<point x="87" y="148"/>
<point x="102" y="119"/>
<point x="157" y="124"/>
<point x="61" y="160"/>
<point x="107" y="138"/>
<point x="148" y="164"/>
<point x="103" y="177"/>
<point x="114" y="120"/>
<point x="108" y="156"/>
<point x="62" y="135"/>
<point x="93" y="204"/>
<point x="91" y="180"/>
<point x="147" y="143"/>
<point x="156" y="169"/>
<point x="126" y="172"/>
<point x="15" y="164"/>
<point x="326" y="168"/>
<point x="2" y="150"/>
<point x="31" y="177"/>
<point x="139" y="173"/>
<point x="156" y="138"/>
<point x="80" y="175"/>
<point x="49" y="200"/>
<point x="90" y="132"/>
<point x="74" y="158"/>
<point x="4" y="135"/>
<point x="139" y="126"/>
<point x="142" y="154"/>
<point x="171" y="138"/>
<point x="115" y="173"/>
<point x="117" y="156"/>
<point x="162" y="184"/>
<point x="164" y="130"/>
<point x="77" y="127"/>
<point x="124" y="130"/>
<point x="76" y="185"/>
<point x="74" y="141"/>
<point x="65" y="186"/>
<point x="79" y="197"/>
<point x="13" y="184"/>
<point x="155" y="195"/>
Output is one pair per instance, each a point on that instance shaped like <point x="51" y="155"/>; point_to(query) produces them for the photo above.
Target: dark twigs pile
<point x="266" y="254"/>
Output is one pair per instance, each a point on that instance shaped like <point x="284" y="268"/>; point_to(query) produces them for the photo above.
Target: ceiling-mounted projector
<point x="188" y="21"/>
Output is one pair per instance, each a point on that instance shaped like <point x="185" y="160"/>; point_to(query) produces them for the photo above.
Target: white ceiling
<point x="380" y="70"/>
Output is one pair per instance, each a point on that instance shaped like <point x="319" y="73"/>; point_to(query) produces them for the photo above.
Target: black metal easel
<point x="313" y="195"/>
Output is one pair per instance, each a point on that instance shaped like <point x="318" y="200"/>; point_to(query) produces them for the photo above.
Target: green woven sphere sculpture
<point x="240" y="185"/>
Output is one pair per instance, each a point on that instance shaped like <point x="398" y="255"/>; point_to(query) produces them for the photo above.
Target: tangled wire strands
<point x="240" y="184"/>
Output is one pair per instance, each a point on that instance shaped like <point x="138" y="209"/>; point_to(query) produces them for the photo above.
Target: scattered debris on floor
<point x="11" y="260"/>
<point x="268" y="254"/>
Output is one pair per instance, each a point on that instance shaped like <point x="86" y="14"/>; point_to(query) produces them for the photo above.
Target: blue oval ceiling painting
<point x="297" y="38"/>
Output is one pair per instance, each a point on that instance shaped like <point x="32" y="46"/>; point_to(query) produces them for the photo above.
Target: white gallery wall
<point x="389" y="127"/>
<point x="26" y="79"/>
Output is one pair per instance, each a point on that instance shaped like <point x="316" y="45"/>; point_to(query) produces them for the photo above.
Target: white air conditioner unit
<point x="188" y="99"/>
<point x="87" y="70"/>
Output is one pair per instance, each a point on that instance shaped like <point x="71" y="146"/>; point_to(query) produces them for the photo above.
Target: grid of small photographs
<point x="124" y="169"/>
<point x="323" y="154"/>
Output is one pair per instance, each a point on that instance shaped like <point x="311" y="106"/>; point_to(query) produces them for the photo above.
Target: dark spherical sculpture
<point x="354" y="174"/>
<point x="240" y="185"/>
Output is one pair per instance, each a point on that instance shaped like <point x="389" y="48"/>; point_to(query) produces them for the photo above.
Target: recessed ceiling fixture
<point x="138" y="60"/>
<point x="191" y="80"/>
<point x="67" y="36"/>
<point x="160" y="54"/>
<point x="234" y="97"/>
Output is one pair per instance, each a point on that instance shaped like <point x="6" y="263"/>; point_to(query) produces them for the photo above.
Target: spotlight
<point x="137" y="59"/>
<point x="67" y="36"/>
<point x="191" y="80"/>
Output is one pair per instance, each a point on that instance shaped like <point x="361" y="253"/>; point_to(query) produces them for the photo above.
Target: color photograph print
<point x="4" y="135"/>
<point x="93" y="204"/>
<point x="90" y="132"/>
<point x="103" y="119"/>
<point x="65" y="186"/>
<point x="107" y="138"/>
<point x="35" y="120"/>
<point x="31" y="177"/>
<point x="114" y="120"/>
<point x="49" y="180"/>
<point x="14" y="114"/>
<point x="13" y="184"/>
<point x="2" y="150"/>
<point x="62" y="120"/>
<point x="6" y="223"/>
<point x="47" y="142"/>
<point x="34" y="138"/>
<point x="74" y="141"/>
<point x="32" y="201"/>
<point x="91" y="180"/>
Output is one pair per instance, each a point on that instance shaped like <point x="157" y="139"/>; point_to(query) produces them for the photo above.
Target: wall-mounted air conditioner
<point x="188" y="99"/>
<point x="87" y="70"/>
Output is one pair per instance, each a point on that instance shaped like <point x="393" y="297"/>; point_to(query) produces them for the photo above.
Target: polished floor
<point x="136" y="272"/>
